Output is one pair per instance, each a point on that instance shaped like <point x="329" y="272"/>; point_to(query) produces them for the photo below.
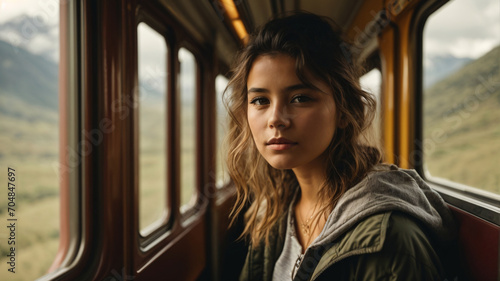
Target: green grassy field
<point x="37" y="214"/>
<point x="30" y="145"/>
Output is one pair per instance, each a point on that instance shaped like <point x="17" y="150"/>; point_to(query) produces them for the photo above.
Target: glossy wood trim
<point x="406" y="92"/>
<point x="358" y="34"/>
<point x="388" y="57"/>
<point x="94" y="251"/>
<point x="64" y="174"/>
<point x="364" y="16"/>
<point x="111" y="169"/>
<point x="210" y="190"/>
<point x="182" y="259"/>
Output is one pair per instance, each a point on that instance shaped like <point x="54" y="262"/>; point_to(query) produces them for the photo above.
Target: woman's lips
<point x="280" y="143"/>
<point x="281" y="146"/>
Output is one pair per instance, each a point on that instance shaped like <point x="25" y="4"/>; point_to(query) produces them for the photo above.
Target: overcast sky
<point x="463" y="28"/>
<point x="152" y="58"/>
<point x="39" y="30"/>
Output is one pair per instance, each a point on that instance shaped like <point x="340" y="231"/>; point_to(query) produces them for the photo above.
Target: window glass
<point x="372" y="83"/>
<point x="187" y="98"/>
<point x="152" y="71"/>
<point x="29" y="138"/>
<point x="222" y="119"/>
<point x="461" y="98"/>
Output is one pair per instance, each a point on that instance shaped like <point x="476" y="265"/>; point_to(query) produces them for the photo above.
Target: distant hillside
<point x="461" y="124"/>
<point x="28" y="106"/>
<point x="30" y="78"/>
<point x="453" y="90"/>
<point x="438" y="67"/>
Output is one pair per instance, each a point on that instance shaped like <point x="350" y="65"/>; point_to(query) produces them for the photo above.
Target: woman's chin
<point x="281" y="165"/>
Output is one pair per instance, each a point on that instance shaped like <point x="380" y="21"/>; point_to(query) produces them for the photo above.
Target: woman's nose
<point x="280" y="118"/>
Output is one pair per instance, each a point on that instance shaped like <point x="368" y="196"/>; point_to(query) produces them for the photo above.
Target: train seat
<point x="479" y="243"/>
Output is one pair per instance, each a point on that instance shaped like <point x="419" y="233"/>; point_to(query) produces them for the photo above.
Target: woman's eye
<point x="300" y="99"/>
<point x="259" y="101"/>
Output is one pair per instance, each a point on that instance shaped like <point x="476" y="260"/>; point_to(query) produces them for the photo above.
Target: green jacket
<point x="390" y="226"/>
<point x="387" y="246"/>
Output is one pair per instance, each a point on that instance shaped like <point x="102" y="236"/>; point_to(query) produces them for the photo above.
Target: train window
<point x="30" y="138"/>
<point x="152" y="72"/>
<point x="187" y="99"/>
<point x="461" y="95"/>
<point x="221" y="174"/>
<point x="372" y="83"/>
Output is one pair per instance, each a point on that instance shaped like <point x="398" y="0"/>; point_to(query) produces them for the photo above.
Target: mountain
<point x="439" y="66"/>
<point x="461" y="116"/>
<point x="30" y="78"/>
<point x="473" y="79"/>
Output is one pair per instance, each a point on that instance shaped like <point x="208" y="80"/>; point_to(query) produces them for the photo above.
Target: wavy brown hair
<point x="318" y="49"/>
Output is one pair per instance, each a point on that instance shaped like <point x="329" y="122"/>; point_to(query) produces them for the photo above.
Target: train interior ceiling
<point x="227" y="25"/>
<point x="131" y="209"/>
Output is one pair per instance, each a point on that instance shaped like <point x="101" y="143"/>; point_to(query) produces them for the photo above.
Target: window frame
<point x="149" y="254"/>
<point x="70" y="253"/>
<point x="485" y="205"/>
<point x="216" y="128"/>
<point x="224" y="193"/>
<point x="192" y="210"/>
<point x="165" y="223"/>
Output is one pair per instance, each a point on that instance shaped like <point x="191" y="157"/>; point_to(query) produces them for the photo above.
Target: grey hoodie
<point x="389" y="188"/>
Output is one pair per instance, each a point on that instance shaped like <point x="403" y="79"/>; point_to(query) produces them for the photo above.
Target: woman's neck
<point x="310" y="181"/>
<point x="309" y="204"/>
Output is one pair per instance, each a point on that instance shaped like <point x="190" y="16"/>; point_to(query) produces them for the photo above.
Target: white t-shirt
<point x="289" y="261"/>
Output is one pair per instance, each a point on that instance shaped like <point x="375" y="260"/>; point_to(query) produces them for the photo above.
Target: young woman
<point x="321" y="206"/>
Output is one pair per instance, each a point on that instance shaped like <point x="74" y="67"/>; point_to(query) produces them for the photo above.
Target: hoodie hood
<point x="389" y="188"/>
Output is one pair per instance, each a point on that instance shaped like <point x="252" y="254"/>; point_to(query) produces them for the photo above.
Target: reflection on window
<point x="29" y="138"/>
<point x="372" y="83"/>
<point x="221" y="174"/>
<point x="461" y="108"/>
<point x="152" y="69"/>
<point x="187" y="98"/>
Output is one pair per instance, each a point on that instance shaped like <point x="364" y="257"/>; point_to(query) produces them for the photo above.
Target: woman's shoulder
<point x="407" y="235"/>
<point x="407" y="252"/>
<point x="388" y="245"/>
<point x="394" y="231"/>
<point x="410" y="246"/>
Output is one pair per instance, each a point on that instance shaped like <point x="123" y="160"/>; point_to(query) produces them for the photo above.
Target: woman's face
<point x="291" y="123"/>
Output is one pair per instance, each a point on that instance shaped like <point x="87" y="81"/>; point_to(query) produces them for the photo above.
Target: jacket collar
<point x="367" y="237"/>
